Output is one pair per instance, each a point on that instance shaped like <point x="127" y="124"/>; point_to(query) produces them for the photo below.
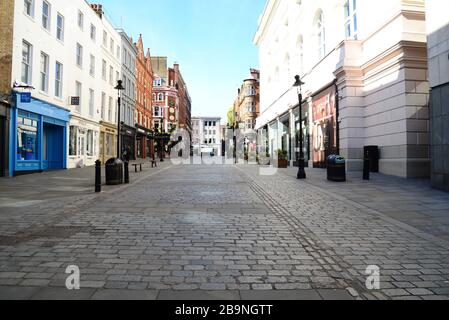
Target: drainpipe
<point x="337" y="115"/>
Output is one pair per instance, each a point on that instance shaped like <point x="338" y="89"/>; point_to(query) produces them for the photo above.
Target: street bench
<point x="153" y="163"/>
<point x="137" y="165"/>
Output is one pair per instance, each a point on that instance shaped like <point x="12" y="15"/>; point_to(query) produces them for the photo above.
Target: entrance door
<point x="2" y="146"/>
<point x="52" y="147"/>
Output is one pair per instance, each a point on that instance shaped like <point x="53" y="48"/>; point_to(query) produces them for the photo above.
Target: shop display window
<point x="27" y="139"/>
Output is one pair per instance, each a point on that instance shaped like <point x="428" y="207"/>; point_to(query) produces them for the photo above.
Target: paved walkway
<point x="214" y="232"/>
<point x="412" y="201"/>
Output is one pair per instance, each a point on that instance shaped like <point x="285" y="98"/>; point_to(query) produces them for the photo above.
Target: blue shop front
<point x="38" y="139"/>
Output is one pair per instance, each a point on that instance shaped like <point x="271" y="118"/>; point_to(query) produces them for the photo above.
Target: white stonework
<point x="81" y="27"/>
<point x="374" y="74"/>
<point x="438" y="48"/>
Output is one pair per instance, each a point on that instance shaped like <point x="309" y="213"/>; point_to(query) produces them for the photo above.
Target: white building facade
<point x="438" y="48"/>
<point x="60" y="49"/>
<point x="365" y="75"/>
<point x="206" y="136"/>
<point x="128" y="101"/>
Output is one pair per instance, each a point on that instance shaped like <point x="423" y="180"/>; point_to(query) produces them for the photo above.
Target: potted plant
<point x="264" y="159"/>
<point x="282" y="159"/>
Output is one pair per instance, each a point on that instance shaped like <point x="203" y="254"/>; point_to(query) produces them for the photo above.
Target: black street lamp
<point x="119" y="89"/>
<point x="301" y="171"/>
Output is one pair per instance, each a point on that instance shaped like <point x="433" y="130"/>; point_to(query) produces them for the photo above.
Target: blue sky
<point x="211" y="40"/>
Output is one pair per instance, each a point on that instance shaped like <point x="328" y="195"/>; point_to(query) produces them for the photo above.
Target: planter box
<point x="282" y="164"/>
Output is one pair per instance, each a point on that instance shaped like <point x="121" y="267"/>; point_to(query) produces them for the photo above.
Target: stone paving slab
<point x="124" y="295"/>
<point x="17" y="293"/>
<point x="197" y="295"/>
<point x="273" y="295"/>
<point x="63" y="294"/>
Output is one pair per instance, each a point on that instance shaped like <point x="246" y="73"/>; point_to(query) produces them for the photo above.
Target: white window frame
<point x="27" y="63"/>
<point x="110" y="109"/>
<point x="103" y="105"/>
<point x="104" y="70"/>
<point x="60" y="28"/>
<point x="351" y="21"/>
<point x="44" y="69"/>
<point x="31" y="8"/>
<point x="105" y="39"/>
<point x="46" y="17"/>
<point x="80" y="20"/>
<point x="79" y="94"/>
<point x="92" y="65"/>
<point x="111" y="75"/>
<point x="91" y="103"/>
<point x="58" y="79"/>
<point x="93" y="32"/>
<point x="320" y="31"/>
<point x="79" y="55"/>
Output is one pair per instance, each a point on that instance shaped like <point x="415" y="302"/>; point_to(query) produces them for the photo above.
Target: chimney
<point x="98" y="8"/>
<point x="255" y="74"/>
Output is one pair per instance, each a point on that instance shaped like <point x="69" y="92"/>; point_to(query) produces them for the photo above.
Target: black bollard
<point x="98" y="176"/>
<point x="366" y="169"/>
<point x="126" y="172"/>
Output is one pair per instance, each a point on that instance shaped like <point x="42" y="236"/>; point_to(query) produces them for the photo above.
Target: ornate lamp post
<point x="119" y="89"/>
<point x="301" y="171"/>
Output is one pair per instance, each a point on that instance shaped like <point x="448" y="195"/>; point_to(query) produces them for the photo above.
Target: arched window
<point x="300" y="52"/>
<point x="161" y="97"/>
<point x="154" y="97"/>
<point x="320" y="33"/>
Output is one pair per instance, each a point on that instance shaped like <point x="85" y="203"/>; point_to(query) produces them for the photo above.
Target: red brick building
<point x="172" y="106"/>
<point x="144" y="114"/>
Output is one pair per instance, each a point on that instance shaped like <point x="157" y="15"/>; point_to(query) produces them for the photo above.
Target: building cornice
<point x="265" y="21"/>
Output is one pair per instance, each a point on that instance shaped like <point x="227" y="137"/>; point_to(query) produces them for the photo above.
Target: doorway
<point x="52" y="147"/>
<point x="3" y="151"/>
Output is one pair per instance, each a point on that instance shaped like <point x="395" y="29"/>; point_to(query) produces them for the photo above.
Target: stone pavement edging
<point x="36" y="293"/>
<point x="431" y="238"/>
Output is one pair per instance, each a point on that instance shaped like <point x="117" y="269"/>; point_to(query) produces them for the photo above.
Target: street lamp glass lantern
<point x="298" y="82"/>
<point x="119" y="86"/>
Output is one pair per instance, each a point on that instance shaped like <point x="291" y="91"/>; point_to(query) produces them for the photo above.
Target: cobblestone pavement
<point x="214" y="232"/>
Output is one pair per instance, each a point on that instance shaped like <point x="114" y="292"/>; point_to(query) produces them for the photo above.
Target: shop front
<point x="142" y="142"/>
<point x="108" y="141"/>
<point x="83" y="142"/>
<point x="128" y="140"/>
<point x="324" y="131"/>
<point x="4" y="137"/>
<point x="38" y="136"/>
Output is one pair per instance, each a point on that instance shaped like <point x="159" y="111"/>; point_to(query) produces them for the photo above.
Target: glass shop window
<point x="27" y="146"/>
<point x="73" y="141"/>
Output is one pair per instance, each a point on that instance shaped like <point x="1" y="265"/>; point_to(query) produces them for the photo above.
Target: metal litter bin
<point x="336" y="168"/>
<point x="114" y="172"/>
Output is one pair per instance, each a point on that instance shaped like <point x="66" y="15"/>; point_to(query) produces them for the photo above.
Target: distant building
<point x="128" y="105"/>
<point x="247" y="103"/>
<point x="207" y="136"/>
<point x="144" y="116"/>
<point x="172" y="105"/>
<point x="438" y="49"/>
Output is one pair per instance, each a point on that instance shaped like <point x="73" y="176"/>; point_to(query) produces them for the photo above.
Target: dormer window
<point x="158" y="82"/>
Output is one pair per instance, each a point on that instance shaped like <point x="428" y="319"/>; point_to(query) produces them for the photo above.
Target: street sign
<point x="25" y="97"/>
<point x="75" y="101"/>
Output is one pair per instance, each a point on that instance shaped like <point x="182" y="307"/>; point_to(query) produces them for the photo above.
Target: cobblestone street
<point x="215" y="232"/>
